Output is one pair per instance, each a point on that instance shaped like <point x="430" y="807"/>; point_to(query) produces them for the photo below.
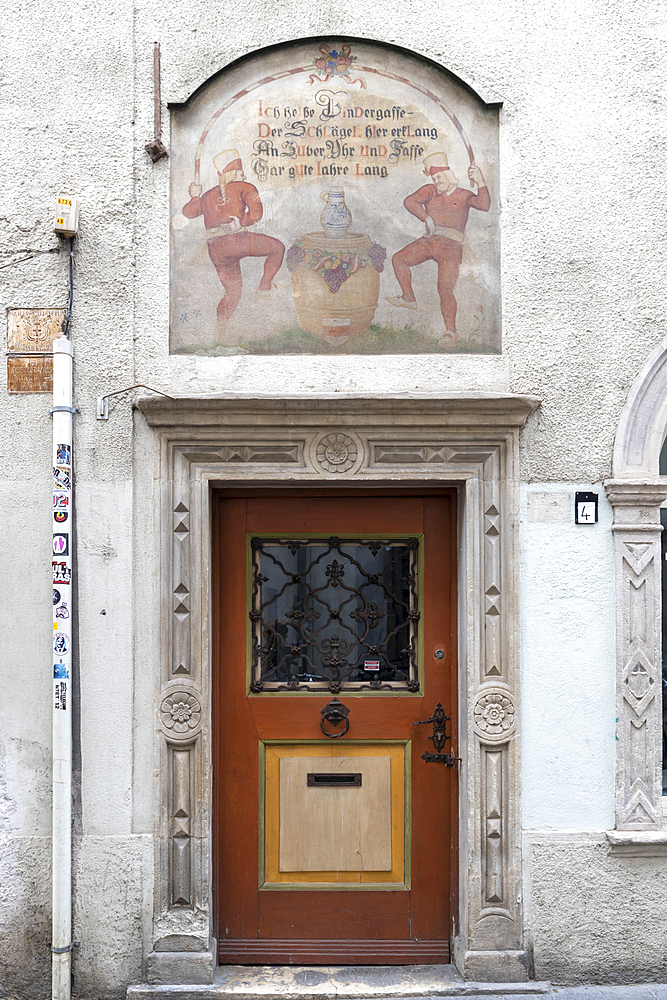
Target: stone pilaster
<point x="637" y="567"/>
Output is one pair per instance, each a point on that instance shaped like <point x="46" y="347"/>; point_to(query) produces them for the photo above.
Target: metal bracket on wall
<point x="102" y="411"/>
<point x="64" y="409"/>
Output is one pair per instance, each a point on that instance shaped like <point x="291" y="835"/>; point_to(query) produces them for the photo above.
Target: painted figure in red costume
<point x="229" y="209"/>
<point x="443" y="208"/>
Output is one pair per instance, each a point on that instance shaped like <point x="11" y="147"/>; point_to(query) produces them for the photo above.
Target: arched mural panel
<point x="334" y="198"/>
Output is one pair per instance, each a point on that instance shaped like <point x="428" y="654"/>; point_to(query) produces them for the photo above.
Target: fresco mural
<point x="334" y="198"/>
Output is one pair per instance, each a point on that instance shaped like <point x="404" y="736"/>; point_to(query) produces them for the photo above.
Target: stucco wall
<point x="592" y="916"/>
<point x="583" y="145"/>
<point x="567" y="662"/>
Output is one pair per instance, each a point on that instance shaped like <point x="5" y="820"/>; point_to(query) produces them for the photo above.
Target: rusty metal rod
<point x="156" y="148"/>
<point x="157" y="117"/>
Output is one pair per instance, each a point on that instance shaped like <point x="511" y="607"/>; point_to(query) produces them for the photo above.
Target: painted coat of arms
<point x="340" y="199"/>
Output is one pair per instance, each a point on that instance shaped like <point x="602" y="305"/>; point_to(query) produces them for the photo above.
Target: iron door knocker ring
<point x="335" y="713"/>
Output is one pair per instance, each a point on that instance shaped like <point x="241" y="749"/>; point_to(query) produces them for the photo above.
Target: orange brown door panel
<point x="260" y="738"/>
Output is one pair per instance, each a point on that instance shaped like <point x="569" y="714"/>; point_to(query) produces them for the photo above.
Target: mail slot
<point x="329" y="780"/>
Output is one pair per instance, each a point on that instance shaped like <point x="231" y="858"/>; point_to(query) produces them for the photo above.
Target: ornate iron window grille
<point x="334" y="613"/>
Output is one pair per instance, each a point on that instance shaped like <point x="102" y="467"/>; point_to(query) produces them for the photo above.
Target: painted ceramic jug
<point x="336" y="217"/>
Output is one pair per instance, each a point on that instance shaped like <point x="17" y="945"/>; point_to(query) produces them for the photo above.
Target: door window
<point x="334" y="613"/>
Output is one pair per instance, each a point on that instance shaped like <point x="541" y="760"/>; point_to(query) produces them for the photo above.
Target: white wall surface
<point x="567" y="662"/>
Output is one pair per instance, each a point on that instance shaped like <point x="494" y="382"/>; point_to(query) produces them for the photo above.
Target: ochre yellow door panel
<point x="320" y="833"/>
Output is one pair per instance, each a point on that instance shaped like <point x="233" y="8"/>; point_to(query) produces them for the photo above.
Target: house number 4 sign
<point x="585" y="508"/>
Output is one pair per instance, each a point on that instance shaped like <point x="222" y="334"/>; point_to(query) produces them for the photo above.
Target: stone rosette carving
<point x="337" y="452"/>
<point x="494" y="714"/>
<point x="181" y="712"/>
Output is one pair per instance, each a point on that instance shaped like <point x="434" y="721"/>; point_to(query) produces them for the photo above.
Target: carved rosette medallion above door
<point x="470" y="444"/>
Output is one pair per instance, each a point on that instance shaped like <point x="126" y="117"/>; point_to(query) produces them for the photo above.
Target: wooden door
<point x="333" y="849"/>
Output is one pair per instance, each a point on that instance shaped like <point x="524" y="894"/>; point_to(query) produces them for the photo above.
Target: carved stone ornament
<point x="636" y="493"/>
<point x="639" y="682"/>
<point x="465" y="443"/>
<point x="181" y="714"/>
<point x="336" y="453"/>
<point x="494" y="714"/>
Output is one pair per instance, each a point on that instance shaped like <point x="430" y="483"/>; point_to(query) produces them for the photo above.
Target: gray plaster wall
<point x="592" y="916"/>
<point x="583" y="166"/>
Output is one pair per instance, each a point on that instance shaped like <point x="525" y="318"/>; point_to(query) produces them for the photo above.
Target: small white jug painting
<point x="334" y="198"/>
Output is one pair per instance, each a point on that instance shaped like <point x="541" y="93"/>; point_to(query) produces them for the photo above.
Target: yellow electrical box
<point x="66" y="221"/>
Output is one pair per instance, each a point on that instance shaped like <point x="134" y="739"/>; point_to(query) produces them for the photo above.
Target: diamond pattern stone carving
<point x="639" y="682"/>
<point x="399" y="454"/>
<point x="638" y="661"/>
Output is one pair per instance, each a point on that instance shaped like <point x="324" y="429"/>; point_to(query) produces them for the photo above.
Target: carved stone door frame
<point x="471" y="442"/>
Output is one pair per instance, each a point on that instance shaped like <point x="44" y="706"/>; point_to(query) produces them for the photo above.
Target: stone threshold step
<point x="364" y="982"/>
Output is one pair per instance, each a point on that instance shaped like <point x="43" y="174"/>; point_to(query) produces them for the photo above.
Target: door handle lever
<point x="439" y="721"/>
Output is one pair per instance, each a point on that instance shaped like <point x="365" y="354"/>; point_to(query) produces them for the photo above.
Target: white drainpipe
<point x="61" y="666"/>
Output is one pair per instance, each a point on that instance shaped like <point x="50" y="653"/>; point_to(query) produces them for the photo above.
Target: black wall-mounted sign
<point x="585" y="508"/>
